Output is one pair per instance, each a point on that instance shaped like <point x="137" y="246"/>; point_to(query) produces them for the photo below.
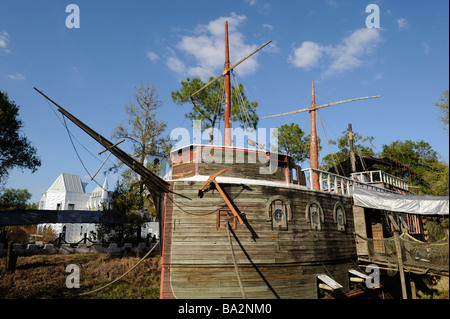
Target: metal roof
<point x="68" y="183"/>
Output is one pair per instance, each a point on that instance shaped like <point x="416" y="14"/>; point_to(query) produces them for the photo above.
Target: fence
<point x="417" y="256"/>
<point x="380" y="177"/>
<point x="33" y="249"/>
<point x="337" y="184"/>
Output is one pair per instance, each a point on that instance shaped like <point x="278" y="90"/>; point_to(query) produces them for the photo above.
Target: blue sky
<point x="92" y="70"/>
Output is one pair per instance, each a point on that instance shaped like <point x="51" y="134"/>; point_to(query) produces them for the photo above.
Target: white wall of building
<point x="68" y="192"/>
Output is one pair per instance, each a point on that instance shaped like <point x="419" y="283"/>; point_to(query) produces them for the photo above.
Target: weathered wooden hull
<point x="273" y="262"/>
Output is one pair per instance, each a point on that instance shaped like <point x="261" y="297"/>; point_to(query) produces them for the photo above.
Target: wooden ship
<point x="248" y="223"/>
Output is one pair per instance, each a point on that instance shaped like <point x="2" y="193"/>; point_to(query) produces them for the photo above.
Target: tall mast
<point x="351" y="143"/>
<point x="226" y="73"/>
<point x="313" y="150"/>
<point x="227" y="140"/>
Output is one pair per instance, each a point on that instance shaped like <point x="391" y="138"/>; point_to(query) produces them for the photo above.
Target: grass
<point x="440" y="290"/>
<point x="44" y="277"/>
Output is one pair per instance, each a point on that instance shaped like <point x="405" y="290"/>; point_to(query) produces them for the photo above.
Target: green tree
<point x="15" y="149"/>
<point x="129" y="202"/>
<point x="293" y="142"/>
<point x="443" y="108"/>
<point x="146" y="134"/>
<point x="415" y="161"/>
<point x="437" y="178"/>
<point x="12" y="198"/>
<point x="209" y="107"/>
<point x="362" y="145"/>
<point x="144" y="130"/>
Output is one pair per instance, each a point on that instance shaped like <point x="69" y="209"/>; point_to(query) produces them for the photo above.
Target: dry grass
<point x="44" y="276"/>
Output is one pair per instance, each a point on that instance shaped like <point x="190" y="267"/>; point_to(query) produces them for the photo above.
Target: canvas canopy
<point x="421" y="205"/>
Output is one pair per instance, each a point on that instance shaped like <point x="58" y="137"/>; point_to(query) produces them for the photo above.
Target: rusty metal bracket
<point x="212" y="179"/>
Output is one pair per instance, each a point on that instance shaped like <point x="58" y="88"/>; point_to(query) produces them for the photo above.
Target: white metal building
<point x="68" y="192"/>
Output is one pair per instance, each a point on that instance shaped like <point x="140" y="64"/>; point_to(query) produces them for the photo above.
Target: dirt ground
<point x="44" y="276"/>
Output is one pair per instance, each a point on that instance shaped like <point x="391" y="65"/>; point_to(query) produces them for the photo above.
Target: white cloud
<point x="307" y="55"/>
<point x="204" y="49"/>
<point x="4" y="39"/>
<point x="152" y="56"/>
<point x="175" y="64"/>
<point x="378" y="77"/>
<point x="347" y="55"/>
<point x="426" y="48"/>
<point x="272" y="47"/>
<point x="16" y="77"/>
<point x="268" y="26"/>
<point x="333" y="3"/>
<point x="251" y="2"/>
<point x="402" y="23"/>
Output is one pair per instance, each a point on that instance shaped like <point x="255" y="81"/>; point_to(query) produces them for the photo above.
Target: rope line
<point x="64" y="123"/>
<point x="78" y="155"/>
<point x="126" y="273"/>
<point x="235" y="262"/>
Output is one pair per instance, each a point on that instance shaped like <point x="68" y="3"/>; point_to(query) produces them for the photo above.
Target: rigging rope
<point x="64" y="123"/>
<point x="235" y="262"/>
<point x="126" y="273"/>
<point x="329" y="148"/>
<point x="245" y="116"/>
<point x="54" y="112"/>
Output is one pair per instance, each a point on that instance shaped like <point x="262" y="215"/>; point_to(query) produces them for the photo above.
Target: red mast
<point x="313" y="151"/>
<point x="226" y="70"/>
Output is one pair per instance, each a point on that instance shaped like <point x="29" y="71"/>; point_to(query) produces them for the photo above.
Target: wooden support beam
<point x="11" y="258"/>
<point x="399" y="254"/>
<point x="325" y="287"/>
<point x="212" y="179"/>
<point x="320" y="106"/>
<point x="152" y="181"/>
<point x="413" y="288"/>
<point x="100" y="153"/>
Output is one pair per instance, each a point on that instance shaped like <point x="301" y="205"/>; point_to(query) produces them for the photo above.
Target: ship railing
<point x="380" y="177"/>
<point x="337" y="184"/>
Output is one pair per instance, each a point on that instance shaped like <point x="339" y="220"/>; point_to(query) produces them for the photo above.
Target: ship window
<point x="278" y="212"/>
<point x="314" y="214"/>
<point x="339" y="216"/>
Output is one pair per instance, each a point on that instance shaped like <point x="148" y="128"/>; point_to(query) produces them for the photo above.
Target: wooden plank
<point x="360" y="229"/>
<point x="284" y="281"/>
<point x="285" y="259"/>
